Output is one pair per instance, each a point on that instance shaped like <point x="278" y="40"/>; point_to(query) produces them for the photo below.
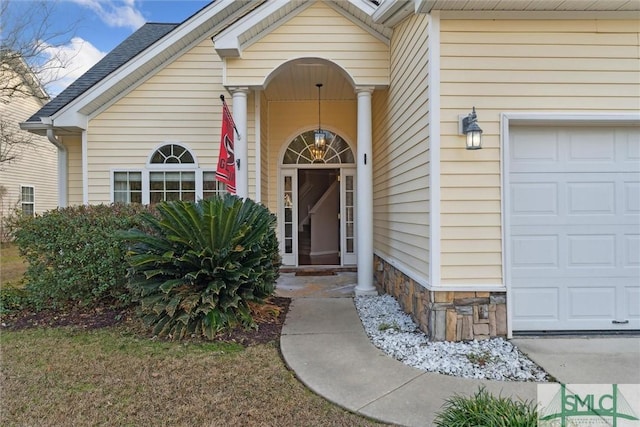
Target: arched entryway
<point x="317" y="202"/>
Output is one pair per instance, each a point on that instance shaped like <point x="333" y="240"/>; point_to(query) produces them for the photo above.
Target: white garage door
<point x="574" y="222"/>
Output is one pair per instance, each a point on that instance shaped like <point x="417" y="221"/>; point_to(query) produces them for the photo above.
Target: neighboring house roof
<point x="137" y="42"/>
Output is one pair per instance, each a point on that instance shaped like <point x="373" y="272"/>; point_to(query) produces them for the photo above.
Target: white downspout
<point x="62" y="168"/>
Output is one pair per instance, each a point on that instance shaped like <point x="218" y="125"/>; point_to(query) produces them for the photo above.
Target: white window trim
<point x="33" y="187"/>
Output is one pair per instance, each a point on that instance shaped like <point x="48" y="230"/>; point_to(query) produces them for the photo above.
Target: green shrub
<point x="12" y="299"/>
<point x="205" y="262"/>
<point x="74" y="254"/>
<point x="486" y="410"/>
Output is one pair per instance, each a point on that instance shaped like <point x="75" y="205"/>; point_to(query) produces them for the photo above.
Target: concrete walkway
<point x="323" y="341"/>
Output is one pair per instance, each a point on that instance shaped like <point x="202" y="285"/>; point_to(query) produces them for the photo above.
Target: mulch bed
<point x="89" y="318"/>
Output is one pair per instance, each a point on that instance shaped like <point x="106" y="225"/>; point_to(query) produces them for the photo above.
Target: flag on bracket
<point x="226" y="171"/>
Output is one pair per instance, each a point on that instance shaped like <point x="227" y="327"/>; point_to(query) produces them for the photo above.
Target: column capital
<point x="364" y="89"/>
<point x="238" y="89"/>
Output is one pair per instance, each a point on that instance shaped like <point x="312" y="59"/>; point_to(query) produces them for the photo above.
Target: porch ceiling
<point x="297" y="80"/>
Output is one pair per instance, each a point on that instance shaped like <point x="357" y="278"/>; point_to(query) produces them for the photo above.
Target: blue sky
<point x="100" y="25"/>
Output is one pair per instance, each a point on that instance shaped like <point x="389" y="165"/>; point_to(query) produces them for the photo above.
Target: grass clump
<point x="485" y="410"/>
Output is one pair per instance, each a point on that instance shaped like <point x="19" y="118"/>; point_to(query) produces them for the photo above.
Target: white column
<point x="241" y="146"/>
<point x="364" y="195"/>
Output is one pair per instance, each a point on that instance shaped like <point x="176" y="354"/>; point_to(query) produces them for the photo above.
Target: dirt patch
<point x="269" y="321"/>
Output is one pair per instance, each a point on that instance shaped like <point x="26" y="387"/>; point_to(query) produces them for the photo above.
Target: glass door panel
<point x="348" y="218"/>
<point x="289" y="243"/>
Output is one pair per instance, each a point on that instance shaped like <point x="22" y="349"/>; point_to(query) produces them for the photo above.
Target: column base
<point x="367" y="292"/>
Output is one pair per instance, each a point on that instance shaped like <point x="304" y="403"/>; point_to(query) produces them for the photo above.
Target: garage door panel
<point x="631" y="248"/>
<point x="591" y="198"/>
<point x="631" y="302"/>
<point x="591" y="251"/>
<point x="537" y="303"/>
<point x="535" y="251"/>
<point x="574" y="214"/>
<point x="591" y="302"/>
<point x="631" y="197"/>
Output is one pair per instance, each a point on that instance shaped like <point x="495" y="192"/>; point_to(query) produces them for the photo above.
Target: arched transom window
<point x="301" y="150"/>
<point x="172" y="154"/>
<point x="174" y="183"/>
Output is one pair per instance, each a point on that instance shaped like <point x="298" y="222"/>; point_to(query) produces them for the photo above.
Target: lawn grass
<point x="12" y="266"/>
<point x="111" y="376"/>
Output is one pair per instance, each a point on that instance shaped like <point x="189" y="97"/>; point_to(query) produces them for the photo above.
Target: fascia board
<point x="69" y="114"/>
<point x="364" y="5"/>
<point x="227" y="42"/>
<point x="384" y="39"/>
<point x="534" y="14"/>
<point x="387" y="11"/>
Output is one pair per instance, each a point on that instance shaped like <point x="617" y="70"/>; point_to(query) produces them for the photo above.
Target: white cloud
<point x="123" y="13"/>
<point x="66" y="63"/>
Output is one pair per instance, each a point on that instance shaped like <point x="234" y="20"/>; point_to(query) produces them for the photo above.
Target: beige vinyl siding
<point x="73" y="145"/>
<point x="318" y="31"/>
<point x="289" y="119"/>
<point x="36" y="160"/>
<point x="179" y="104"/>
<point x="36" y="163"/>
<point x="401" y="153"/>
<point x="576" y="66"/>
<point x="264" y="150"/>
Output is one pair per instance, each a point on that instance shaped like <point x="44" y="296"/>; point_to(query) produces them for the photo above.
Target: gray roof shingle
<point x="137" y="42"/>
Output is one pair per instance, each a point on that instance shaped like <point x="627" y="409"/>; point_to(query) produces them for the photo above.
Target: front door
<point x="317" y="204"/>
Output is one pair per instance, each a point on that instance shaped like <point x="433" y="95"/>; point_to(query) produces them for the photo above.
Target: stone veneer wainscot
<point x="445" y="315"/>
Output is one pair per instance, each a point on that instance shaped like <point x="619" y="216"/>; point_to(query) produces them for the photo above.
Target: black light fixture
<point x="473" y="132"/>
<point x="320" y="140"/>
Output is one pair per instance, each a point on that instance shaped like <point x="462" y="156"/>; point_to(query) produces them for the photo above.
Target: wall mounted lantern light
<point x="469" y="127"/>
<point x="320" y="142"/>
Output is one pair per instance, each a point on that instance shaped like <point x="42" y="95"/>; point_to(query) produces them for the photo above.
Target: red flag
<point x="226" y="171"/>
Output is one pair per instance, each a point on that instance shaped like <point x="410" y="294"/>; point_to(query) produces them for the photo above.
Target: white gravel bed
<point x="395" y="333"/>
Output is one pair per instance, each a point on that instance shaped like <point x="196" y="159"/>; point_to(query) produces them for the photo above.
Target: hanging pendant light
<point x="320" y="140"/>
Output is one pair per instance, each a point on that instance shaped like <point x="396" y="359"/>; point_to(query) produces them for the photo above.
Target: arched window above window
<point x="300" y="150"/>
<point x="172" y="154"/>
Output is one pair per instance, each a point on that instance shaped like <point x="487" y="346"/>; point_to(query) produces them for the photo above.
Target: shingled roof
<point x="137" y="42"/>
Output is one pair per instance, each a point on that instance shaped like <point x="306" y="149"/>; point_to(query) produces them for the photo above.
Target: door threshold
<point x="318" y="270"/>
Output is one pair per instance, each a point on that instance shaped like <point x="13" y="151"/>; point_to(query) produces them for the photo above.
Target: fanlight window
<point x="172" y="154"/>
<point x="301" y="150"/>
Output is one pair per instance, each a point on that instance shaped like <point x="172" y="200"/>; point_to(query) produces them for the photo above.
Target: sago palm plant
<point x="196" y="272"/>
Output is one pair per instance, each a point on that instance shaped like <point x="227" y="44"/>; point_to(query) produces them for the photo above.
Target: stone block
<point x="480" y="329"/>
<point x="452" y="325"/>
<point x="466" y="310"/>
<point x="481" y="337"/>
<point x="501" y="320"/>
<point x="443" y="296"/>
<point x="498" y="298"/>
<point x="492" y="323"/>
<point x="441" y="325"/>
<point x="481" y="313"/>
<point x="467" y="328"/>
<point x="465" y="295"/>
<point x="470" y="301"/>
<point x="483" y="294"/>
<point x="458" y="328"/>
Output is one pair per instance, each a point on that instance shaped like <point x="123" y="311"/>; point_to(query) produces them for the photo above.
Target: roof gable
<point x="253" y="27"/>
<point x="144" y="37"/>
<point x="144" y="52"/>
